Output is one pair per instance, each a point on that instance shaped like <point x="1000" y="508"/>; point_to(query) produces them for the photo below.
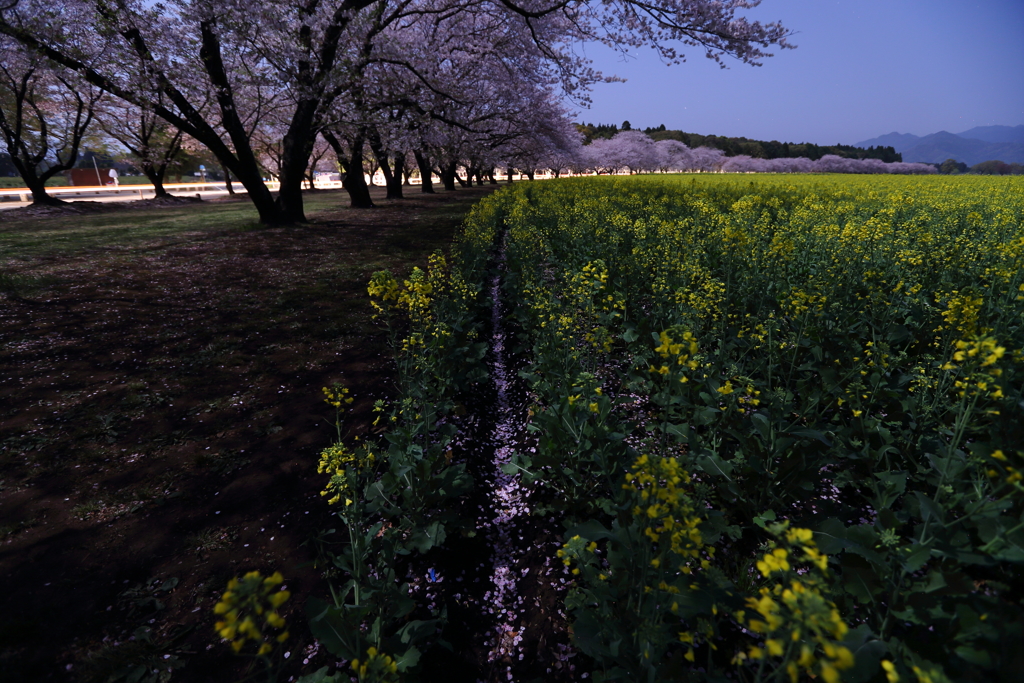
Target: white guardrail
<point x="128" y="192"/>
<point x="131" y="192"/>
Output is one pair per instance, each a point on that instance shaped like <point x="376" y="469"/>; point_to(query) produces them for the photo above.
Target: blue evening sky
<point x="862" y="68"/>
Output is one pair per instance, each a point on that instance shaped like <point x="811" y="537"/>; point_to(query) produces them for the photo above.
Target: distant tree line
<point x="634" y="151"/>
<point x="992" y="167"/>
<point x="756" y="149"/>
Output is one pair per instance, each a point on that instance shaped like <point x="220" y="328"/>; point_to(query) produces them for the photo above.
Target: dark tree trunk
<point x="510" y="176"/>
<point x="39" y="195"/>
<point x="395" y="184"/>
<point x="447" y="174"/>
<point x="35" y="183"/>
<point x="426" y="175"/>
<point x="392" y="176"/>
<point x="156" y="178"/>
<point x="493" y="180"/>
<point x="260" y="195"/>
<point x="243" y="161"/>
<point x="479" y="177"/>
<point x="227" y="181"/>
<point x="464" y="183"/>
<point x="293" y="172"/>
<point x="354" y="181"/>
<point x="529" y="174"/>
<point x="393" y="188"/>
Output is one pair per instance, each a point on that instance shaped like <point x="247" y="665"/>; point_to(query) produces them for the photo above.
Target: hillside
<point x="1004" y="143"/>
<point x="995" y="133"/>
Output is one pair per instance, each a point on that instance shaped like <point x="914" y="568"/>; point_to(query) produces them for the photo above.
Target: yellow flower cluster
<point x="704" y="293"/>
<point x="665" y="506"/>
<point x="413" y="296"/>
<point x="383" y="286"/>
<point x="249" y="607"/>
<point x="800" y="302"/>
<point x="574" y="549"/>
<point x="1006" y="471"/>
<point x="677" y="352"/>
<point x="975" y="361"/>
<point x="962" y="310"/>
<point x="344" y="466"/>
<point x="337" y="396"/>
<point x="796" y="621"/>
<point x="376" y="668"/>
<point x="750" y="397"/>
<point x="586" y="392"/>
<point x="594" y="275"/>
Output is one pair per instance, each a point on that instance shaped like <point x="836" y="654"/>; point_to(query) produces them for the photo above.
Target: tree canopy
<point x="248" y="79"/>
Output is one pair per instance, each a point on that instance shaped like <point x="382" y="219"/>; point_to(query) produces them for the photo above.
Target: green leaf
<point x="403" y="604"/>
<point x="586" y="635"/>
<point x="694" y="603"/>
<point x="831" y="536"/>
<point x="320" y="676"/>
<point x="805" y="433"/>
<point x="680" y="430"/>
<point x="761" y="424"/>
<point x="768" y="516"/>
<point x="592" y="530"/>
<point x="454" y="481"/>
<point x="896" y="481"/>
<point x="929" y="509"/>
<point x="936" y="581"/>
<point x="424" y="539"/>
<point x="918" y="557"/>
<point x="338" y="630"/>
<point x="975" y="657"/>
<point x="408" y="659"/>
<point x="418" y="631"/>
<point x="712" y="464"/>
<point x="860" y="580"/>
<point x="867" y="654"/>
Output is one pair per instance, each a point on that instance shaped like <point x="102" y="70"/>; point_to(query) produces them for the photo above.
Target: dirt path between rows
<point x="160" y="420"/>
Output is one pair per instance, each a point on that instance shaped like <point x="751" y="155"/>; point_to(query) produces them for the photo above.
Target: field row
<point x="782" y="419"/>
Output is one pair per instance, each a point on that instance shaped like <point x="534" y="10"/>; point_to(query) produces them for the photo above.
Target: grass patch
<point x="170" y="375"/>
<point x="128" y="227"/>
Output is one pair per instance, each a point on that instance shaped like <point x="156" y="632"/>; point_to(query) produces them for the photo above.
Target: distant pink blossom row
<point x="636" y="152"/>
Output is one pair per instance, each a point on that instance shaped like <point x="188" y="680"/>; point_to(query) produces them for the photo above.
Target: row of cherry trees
<point x="634" y="151"/>
<point x="269" y="85"/>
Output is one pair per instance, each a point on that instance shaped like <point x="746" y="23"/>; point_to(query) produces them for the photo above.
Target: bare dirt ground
<point x="160" y="420"/>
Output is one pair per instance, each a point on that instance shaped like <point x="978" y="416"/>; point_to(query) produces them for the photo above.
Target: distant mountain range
<point x="982" y="143"/>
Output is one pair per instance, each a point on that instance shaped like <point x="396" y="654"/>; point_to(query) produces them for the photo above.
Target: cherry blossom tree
<point x="45" y="115"/>
<point x="152" y="143"/>
<point x="706" y="160"/>
<point x="830" y="163"/>
<point x="313" y="52"/>
<point x="673" y="155"/>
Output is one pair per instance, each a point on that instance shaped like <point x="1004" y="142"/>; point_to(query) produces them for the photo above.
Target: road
<point x="125" y="193"/>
